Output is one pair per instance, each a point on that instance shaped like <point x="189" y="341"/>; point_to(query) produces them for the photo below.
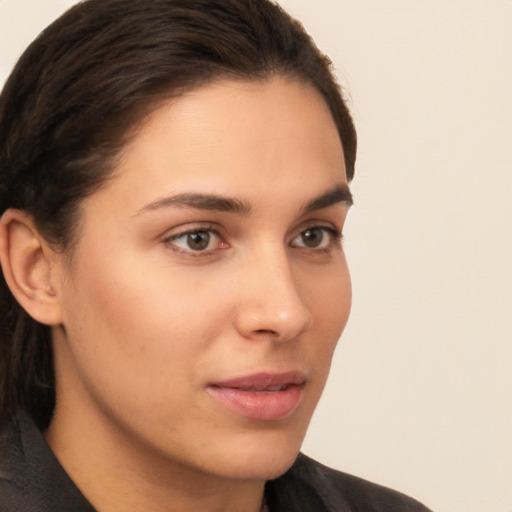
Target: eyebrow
<point x="213" y="202"/>
<point x="338" y="194"/>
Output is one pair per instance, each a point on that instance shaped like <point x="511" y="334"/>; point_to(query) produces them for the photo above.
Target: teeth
<point x="261" y="389"/>
<point x="275" y="388"/>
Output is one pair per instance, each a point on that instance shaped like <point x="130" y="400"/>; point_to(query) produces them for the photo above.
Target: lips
<point x="262" y="396"/>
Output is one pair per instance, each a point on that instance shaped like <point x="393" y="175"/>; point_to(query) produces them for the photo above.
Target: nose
<point x="270" y="303"/>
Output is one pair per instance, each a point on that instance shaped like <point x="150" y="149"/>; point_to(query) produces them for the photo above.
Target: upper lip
<point x="263" y="381"/>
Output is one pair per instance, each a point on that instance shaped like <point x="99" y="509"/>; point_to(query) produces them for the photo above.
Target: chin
<point x="265" y="466"/>
<point x="263" y="457"/>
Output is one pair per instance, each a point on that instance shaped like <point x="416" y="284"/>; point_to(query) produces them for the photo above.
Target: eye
<point x="198" y="240"/>
<point x="316" y="238"/>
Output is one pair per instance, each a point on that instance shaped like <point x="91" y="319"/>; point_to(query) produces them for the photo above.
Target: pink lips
<point x="262" y="396"/>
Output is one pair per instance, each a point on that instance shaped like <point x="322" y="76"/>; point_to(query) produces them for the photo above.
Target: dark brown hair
<point x="78" y="92"/>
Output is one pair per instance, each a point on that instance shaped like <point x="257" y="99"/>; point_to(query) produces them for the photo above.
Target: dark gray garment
<point x="32" y="480"/>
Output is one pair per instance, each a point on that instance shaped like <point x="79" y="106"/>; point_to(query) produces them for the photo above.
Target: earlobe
<point x="28" y="264"/>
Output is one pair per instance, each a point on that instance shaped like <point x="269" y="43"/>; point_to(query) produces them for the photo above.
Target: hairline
<point x="150" y="108"/>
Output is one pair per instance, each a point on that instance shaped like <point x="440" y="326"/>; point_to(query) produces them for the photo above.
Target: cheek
<point x="329" y="298"/>
<point x="136" y="330"/>
<point x="328" y="295"/>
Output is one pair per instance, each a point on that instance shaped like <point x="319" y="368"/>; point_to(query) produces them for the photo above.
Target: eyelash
<point x="334" y="234"/>
<point x="335" y="237"/>
<point x="168" y="241"/>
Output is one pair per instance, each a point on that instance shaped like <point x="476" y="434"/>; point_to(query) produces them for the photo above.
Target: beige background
<point x="420" y="396"/>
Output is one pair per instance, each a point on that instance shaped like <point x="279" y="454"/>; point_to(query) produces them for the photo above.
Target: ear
<point x="30" y="267"/>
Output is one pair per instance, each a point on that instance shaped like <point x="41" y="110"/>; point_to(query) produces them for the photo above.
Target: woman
<point x="174" y="188"/>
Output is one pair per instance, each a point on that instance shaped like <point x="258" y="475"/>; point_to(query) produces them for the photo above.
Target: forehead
<point x="237" y="138"/>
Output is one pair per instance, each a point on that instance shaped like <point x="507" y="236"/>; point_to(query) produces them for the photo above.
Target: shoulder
<point x="309" y="485"/>
<point x="11" y="455"/>
<point x="31" y="479"/>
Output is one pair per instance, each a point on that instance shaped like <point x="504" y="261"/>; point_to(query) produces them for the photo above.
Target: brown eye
<point x="198" y="241"/>
<point x="312" y="238"/>
<point x="195" y="241"/>
<point x="316" y="238"/>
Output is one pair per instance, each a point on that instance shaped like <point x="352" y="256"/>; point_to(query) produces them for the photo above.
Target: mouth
<point x="263" y="396"/>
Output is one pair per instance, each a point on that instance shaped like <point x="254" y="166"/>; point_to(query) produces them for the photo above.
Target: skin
<point x="146" y="323"/>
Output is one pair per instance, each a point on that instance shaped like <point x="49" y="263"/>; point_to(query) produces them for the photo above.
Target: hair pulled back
<point x="82" y="88"/>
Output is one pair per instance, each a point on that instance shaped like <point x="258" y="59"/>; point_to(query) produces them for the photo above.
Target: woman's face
<point x="208" y="289"/>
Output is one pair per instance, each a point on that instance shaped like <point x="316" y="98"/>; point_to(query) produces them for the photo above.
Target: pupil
<point x="313" y="237"/>
<point x="199" y="240"/>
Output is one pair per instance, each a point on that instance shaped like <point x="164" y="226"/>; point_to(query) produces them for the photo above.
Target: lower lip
<point x="263" y="406"/>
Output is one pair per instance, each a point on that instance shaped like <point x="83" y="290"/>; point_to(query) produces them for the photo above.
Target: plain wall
<point x="420" y="395"/>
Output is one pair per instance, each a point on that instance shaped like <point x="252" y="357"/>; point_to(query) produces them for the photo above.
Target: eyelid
<point x="333" y="232"/>
<point x="320" y="224"/>
<point x="187" y="230"/>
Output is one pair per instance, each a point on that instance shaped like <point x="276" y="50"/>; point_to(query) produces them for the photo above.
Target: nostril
<point x="268" y="332"/>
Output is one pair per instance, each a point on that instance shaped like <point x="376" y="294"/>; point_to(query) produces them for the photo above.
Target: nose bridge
<point x="272" y="304"/>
